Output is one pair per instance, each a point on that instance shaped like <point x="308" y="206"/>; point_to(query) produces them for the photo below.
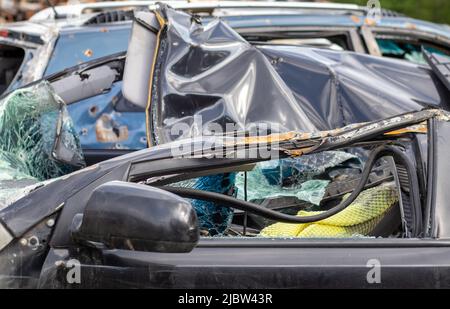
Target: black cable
<point x="431" y="178"/>
<point x="280" y="217"/>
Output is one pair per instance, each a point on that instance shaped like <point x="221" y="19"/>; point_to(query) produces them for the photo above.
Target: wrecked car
<point x="34" y="49"/>
<point x="333" y="160"/>
<point x="108" y="123"/>
<point x="31" y="50"/>
<point x="136" y="221"/>
<point x="112" y="116"/>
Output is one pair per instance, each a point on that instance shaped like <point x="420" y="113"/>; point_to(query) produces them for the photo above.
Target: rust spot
<point x="270" y="138"/>
<point x="411" y="26"/>
<point x="88" y="53"/>
<point x="355" y="19"/>
<point x="419" y="129"/>
<point x="370" y="22"/>
<point x="93" y="110"/>
<point x="107" y="131"/>
<point x="104" y="30"/>
<point x="299" y="152"/>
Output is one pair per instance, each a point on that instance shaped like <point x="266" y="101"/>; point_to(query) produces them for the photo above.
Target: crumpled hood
<point x="206" y="76"/>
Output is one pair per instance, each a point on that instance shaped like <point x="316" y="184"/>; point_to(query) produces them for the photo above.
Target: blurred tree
<point x="433" y="10"/>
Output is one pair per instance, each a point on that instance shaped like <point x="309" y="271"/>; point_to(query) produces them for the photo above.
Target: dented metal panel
<point x="211" y="73"/>
<point x="106" y="122"/>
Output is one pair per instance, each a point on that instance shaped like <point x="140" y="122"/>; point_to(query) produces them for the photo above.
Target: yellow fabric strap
<point x="357" y="219"/>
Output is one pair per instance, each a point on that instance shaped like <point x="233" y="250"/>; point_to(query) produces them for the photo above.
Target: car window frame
<point x="162" y="170"/>
<point x="353" y="39"/>
<point x="370" y="35"/>
<point x="29" y="50"/>
<point x="84" y="30"/>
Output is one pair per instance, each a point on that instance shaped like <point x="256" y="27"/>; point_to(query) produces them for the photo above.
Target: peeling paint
<point x="88" y="53"/>
<point x="355" y="19"/>
<point x="108" y="131"/>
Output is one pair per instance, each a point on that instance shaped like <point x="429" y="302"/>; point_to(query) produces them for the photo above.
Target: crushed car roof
<point x="296" y="88"/>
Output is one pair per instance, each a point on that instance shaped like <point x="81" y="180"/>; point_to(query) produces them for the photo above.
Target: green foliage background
<point x="433" y="10"/>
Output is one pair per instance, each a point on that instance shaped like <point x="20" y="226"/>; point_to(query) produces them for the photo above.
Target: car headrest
<point x="140" y="54"/>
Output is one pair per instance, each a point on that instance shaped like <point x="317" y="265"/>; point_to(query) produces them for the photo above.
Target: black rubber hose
<point x="413" y="185"/>
<point x="229" y="201"/>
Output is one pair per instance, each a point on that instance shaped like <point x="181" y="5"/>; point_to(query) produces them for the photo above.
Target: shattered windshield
<point x="334" y="187"/>
<point x="37" y="141"/>
<point x="302" y="186"/>
<point x="297" y="177"/>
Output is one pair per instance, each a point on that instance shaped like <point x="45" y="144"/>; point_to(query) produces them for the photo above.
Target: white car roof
<point x="76" y="10"/>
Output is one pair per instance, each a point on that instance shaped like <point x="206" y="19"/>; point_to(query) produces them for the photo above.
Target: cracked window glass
<point x="37" y="141"/>
<point x="305" y="179"/>
<point x="302" y="177"/>
<point x="410" y="51"/>
<point x="213" y="219"/>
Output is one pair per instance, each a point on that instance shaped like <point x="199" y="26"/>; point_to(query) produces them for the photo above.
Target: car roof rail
<point x="77" y="10"/>
<point x="391" y="13"/>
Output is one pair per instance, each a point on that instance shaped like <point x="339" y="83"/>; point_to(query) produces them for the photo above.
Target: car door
<point x="260" y="263"/>
<point x="107" y="124"/>
<point x="244" y="262"/>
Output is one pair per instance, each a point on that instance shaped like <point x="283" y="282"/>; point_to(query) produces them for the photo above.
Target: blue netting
<point x="212" y="217"/>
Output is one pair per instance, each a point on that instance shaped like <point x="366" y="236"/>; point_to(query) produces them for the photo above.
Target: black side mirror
<point x="121" y="215"/>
